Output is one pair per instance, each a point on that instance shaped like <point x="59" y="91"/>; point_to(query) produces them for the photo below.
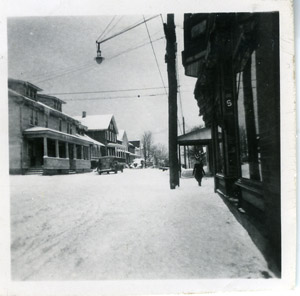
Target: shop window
<point x="220" y="150"/>
<point x="248" y="121"/>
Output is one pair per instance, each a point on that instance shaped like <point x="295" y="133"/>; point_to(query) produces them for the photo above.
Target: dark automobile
<point x="107" y="164"/>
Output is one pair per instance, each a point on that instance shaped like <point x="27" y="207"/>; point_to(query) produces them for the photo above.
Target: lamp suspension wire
<point x="113" y="26"/>
<point x="155" y="57"/>
<point x="103" y="33"/>
<point x="127" y="29"/>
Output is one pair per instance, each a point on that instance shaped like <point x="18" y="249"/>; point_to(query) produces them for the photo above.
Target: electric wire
<point x="155" y="58"/>
<point x="106" y="91"/>
<point x="116" y="97"/>
<point x="134" y="48"/>
<point x="114" y="25"/>
<point x="106" y="27"/>
<point x="128" y="29"/>
<point x="69" y="72"/>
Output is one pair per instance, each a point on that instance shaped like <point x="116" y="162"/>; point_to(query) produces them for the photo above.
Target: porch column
<point x="45" y="147"/>
<point x="67" y="149"/>
<point x="82" y="152"/>
<point x="56" y="149"/>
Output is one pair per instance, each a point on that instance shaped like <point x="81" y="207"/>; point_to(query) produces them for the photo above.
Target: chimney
<point x="83" y="114"/>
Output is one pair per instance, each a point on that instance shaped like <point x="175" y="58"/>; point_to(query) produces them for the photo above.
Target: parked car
<point x="107" y="164"/>
<point x="138" y="163"/>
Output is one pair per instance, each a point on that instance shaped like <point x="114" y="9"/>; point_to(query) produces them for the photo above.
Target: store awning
<point x="198" y="137"/>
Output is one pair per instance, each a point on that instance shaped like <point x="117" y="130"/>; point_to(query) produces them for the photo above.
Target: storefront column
<point x="74" y="151"/>
<point x="67" y="150"/>
<point x="56" y="149"/>
<point x="45" y="146"/>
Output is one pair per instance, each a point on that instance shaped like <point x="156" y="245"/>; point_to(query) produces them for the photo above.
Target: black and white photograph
<point x="151" y="145"/>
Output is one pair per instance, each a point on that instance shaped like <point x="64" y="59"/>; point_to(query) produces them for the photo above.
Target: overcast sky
<point x="57" y="54"/>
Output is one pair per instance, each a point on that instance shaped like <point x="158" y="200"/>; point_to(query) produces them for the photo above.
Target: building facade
<point x="103" y="129"/>
<point x="235" y="58"/>
<point x="41" y="137"/>
<point x="122" y="151"/>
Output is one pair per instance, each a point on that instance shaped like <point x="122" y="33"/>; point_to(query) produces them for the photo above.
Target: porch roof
<point x="116" y="145"/>
<point x="198" y="137"/>
<point x="38" y="132"/>
<point x="85" y="137"/>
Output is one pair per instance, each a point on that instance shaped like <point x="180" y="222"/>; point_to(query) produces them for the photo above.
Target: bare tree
<point x="147" y="145"/>
<point x="160" y="154"/>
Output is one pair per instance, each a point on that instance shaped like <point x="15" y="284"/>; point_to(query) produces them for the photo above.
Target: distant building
<point x="123" y="152"/>
<point x="136" y="148"/>
<point x="103" y="128"/>
<point x="43" y="139"/>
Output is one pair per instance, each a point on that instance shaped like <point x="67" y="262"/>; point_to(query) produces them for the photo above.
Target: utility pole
<point x="170" y="59"/>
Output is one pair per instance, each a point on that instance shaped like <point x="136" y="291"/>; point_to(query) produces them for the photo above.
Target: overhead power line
<point x="155" y="57"/>
<point x="105" y="91"/>
<point x="134" y="48"/>
<point x="117" y="97"/>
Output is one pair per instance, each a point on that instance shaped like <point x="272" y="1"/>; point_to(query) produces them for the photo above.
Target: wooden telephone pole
<point x="170" y="59"/>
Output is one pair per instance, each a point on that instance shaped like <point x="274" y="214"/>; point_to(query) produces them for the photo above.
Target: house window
<point x="71" y="129"/>
<point x="248" y="121"/>
<point x="36" y="119"/>
<point x="46" y="120"/>
<point x="60" y="125"/>
<point x="31" y="117"/>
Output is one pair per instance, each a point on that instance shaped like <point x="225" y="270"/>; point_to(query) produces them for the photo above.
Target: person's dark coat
<point x="198" y="172"/>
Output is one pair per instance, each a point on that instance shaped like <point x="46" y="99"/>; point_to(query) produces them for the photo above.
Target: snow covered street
<point x="125" y="226"/>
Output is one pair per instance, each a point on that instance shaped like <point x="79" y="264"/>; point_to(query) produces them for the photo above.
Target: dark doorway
<point x="36" y="152"/>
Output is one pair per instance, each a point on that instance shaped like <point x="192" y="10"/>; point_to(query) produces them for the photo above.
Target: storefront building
<point x="235" y="58"/>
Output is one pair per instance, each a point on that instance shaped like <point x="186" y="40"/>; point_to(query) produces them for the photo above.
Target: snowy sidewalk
<point x="125" y="226"/>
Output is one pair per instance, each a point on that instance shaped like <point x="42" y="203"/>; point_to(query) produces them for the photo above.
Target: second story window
<point x="46" y="120"/>
<point x="71" y="129"/>
<point x="31" y="117"/>
<point x="36" y="120"/>
<point x="60" y="125"/>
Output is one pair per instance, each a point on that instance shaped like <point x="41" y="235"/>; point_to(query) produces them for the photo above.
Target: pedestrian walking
<point x="198" y="172"/>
